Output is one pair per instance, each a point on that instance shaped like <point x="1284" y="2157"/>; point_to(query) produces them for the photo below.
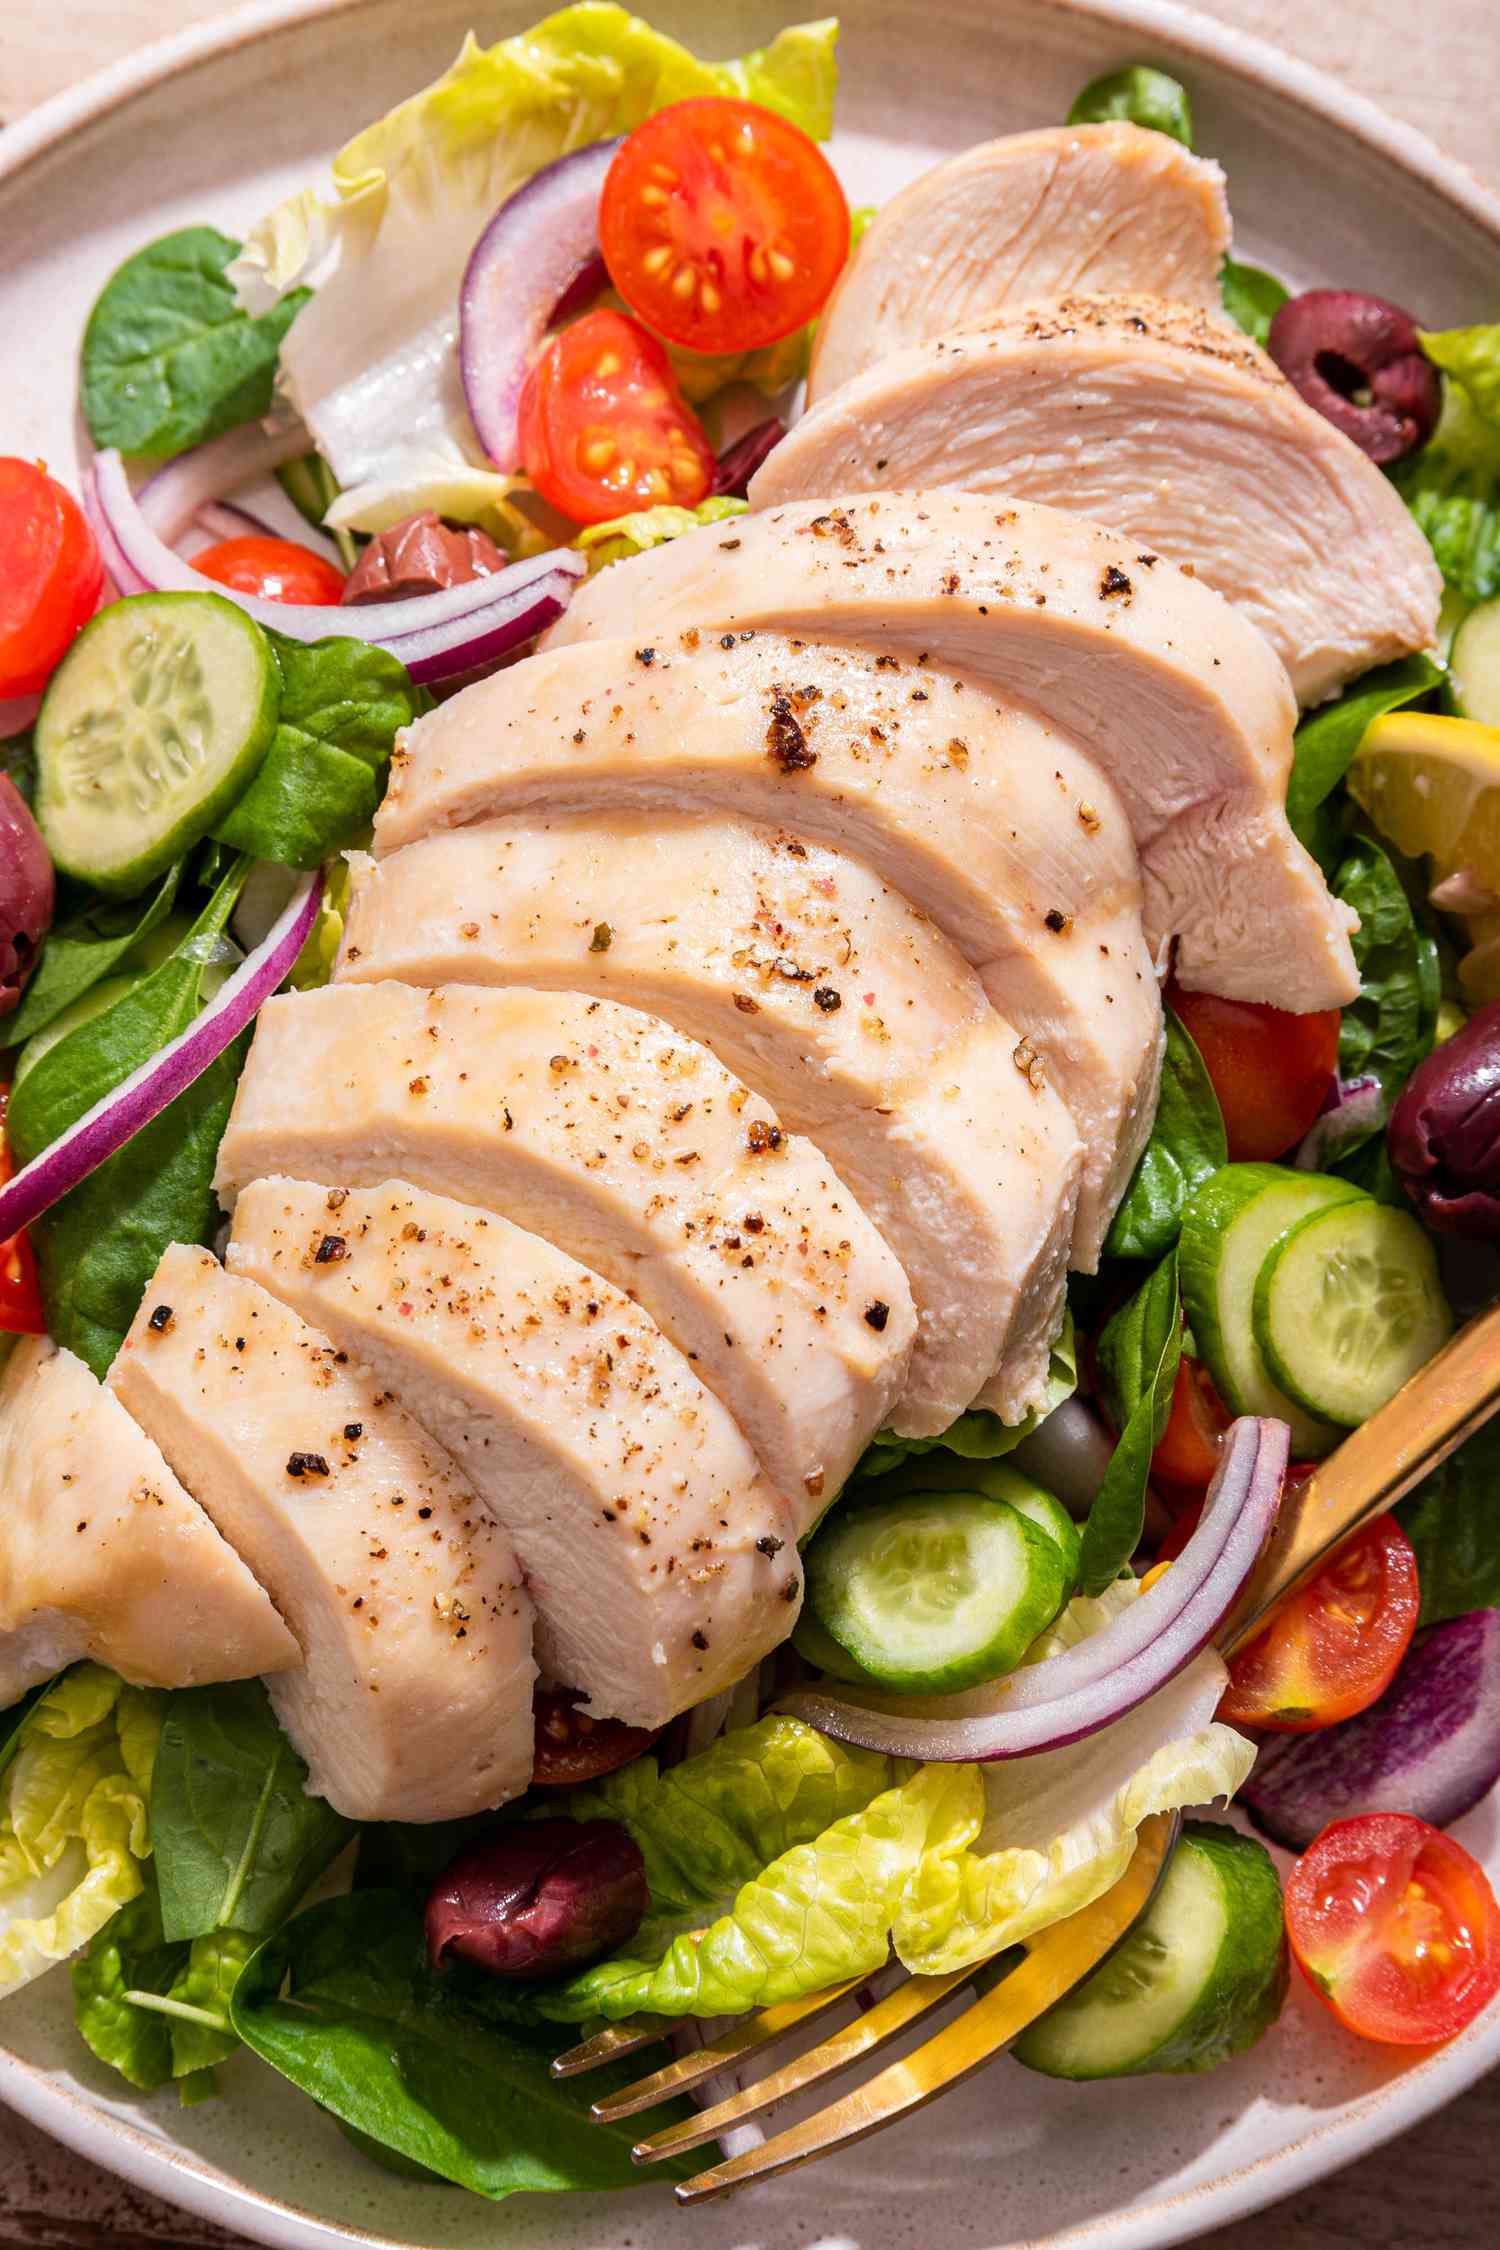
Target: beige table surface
<point x="1437" y="64"/>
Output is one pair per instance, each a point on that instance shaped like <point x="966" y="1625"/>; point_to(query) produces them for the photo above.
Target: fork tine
<point x="1053" y="1965"/>
<point x="613" y="2043"/>
<point x="688" y="2071"/>
<point x="912" y="2000"/>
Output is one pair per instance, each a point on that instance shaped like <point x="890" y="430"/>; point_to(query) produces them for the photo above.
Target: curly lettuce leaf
<point x="75" y="1826"/>
<point x="1472" y="357"/>
<point x="624" y="536"/>
<point x="1452" y="487"/>
<point x="371" y="363"/>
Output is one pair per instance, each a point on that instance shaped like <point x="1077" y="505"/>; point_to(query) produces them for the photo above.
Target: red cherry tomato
<point x="1395" y="1927"/>
<point x="1332" y="1649"/>
<point x="1271" y="1070"/>
<point x="276" y="569"/>
<point x="51" y="575"/>
<point x="21" y="1312"/>
<point x="1187" y="1453"/>
<point x="604" y="429"/>
<point x="571" y="1747"/>
<point x="722" y="225"/>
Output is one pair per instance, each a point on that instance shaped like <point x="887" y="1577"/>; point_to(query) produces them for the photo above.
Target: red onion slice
<point x="435" y="635"/>
<point x="529" y="261"/>
<point x="219" y="519"/>
<point x="1353" y="1110"/>
<point x="1097" y="1681"/>
<point x="131" y="1106"/>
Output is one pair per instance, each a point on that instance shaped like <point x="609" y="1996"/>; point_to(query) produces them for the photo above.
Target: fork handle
<point x="1377" y="1464"/>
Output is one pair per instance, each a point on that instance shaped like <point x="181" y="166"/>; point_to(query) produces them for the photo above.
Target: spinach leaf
<point x="1140" y="95"/>
<point x="1187" y="1144"/>
<point x="83" y="952"/>
<point x="97" y="1248"/>
<point x="343" y="703"/>
<point x="169" y="359"/>
<point x="1453" y="1521"/>
<point x="1252" y="298"/>
<point x="237" y="1837"/>
<point x="1139" y="1353"/>
<point x="18" y="762"/>
<point x="153" y="2009"/>
<point x="1327" y="740"/>
<point x="14" y="1719"/>
<point x="1386" y="1031"/>
<point x="417" y="2062"/>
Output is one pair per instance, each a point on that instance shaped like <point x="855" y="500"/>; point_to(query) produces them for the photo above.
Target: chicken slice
<point x="624" y="1144"/>
<point x="104" y="1555"/>
<point x="413" y="1701"/>
<point x="1034" y="215"/>
<point x="661" y="1563"/>
<point x="1176" y="696"/>
<point x="997" y="827"/>
<point x="1156" y="419"/>
<point x="824" y="991"/>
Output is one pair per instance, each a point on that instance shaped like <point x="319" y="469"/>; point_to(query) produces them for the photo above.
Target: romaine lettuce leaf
<point x="624" y="536"/>
<point x="1472" y="357"/>
<point x="1060" y="1827"/>
<point x="371" y="362"/>
<point x="74" y="1827"/>
<point x="1452" y="487"/>
<point x="758" y="1898"/>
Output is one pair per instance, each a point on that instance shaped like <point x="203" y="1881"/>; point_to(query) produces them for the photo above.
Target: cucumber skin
<point x="1248" y="1988"/>
<point x="1207" y="1217"/>
<point x="1479" y="627"/>
<point x="1275" y="1361"/>
<point x="127" y="879"/>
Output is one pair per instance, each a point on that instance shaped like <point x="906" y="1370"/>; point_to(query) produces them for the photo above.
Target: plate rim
<point x="146" y="2160"/>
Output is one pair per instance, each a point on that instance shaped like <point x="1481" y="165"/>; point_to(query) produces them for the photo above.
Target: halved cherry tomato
<point x="1270" y="1069"/>
<point x="571" y="1747"/>
<point x="51" y="575"/>
<point x="279" y="570"/>
<point x="1395" y="1927"/>
<point x="1187" y="1452"/>
<point x="722" y="225"/>
<point x="1332" y="1649"/>
<point x="604" y="428"/>
<point x="21" y="1312"/>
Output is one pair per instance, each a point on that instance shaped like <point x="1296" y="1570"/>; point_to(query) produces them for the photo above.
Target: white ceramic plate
<point x="214" y="126"/>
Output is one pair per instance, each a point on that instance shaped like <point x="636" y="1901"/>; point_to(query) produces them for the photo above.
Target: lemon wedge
<point x="1432" y="785"/>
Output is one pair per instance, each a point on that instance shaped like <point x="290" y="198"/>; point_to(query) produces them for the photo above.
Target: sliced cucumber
<point x="153" y="725"/>
<point x="997" y="1480"/>
<point x="1229" y="1228"/>
<point x="1199" y="1978"/>
<point x="935" y="1591"/>
<point x="1474" y="666"/>
<point x="1347" y="1307"/>
<point x="818" y="1648"/>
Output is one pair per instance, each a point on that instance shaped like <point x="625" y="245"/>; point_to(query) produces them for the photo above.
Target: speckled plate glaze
<point x="214" y="126"/>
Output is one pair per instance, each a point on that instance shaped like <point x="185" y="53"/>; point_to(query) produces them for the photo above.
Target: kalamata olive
<point x="572" y="1746"/>
<point x="27" y="893"/>
<point x="1360" y="362"/>
<point x="420" y="555"/>
<point x="1444" y="1135"/>
<point x="538" y="1897"/>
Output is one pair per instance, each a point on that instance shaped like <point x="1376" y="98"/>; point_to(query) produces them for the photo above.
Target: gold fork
<point x="1442" y="1405"/>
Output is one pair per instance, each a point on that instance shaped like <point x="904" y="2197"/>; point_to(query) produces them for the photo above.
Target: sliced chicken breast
<point x="826" y="993"/>
<point x="1161" y="421"/>
<point x="990" y="822"/>
<point x="661" y="1563"/>
<point x="1034" y="215"/>
<point x="1176" y="696"/>
<point x="103" y="1554"/>
<point x="624" y="1144"/>
<point x="413" y="1701"/>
